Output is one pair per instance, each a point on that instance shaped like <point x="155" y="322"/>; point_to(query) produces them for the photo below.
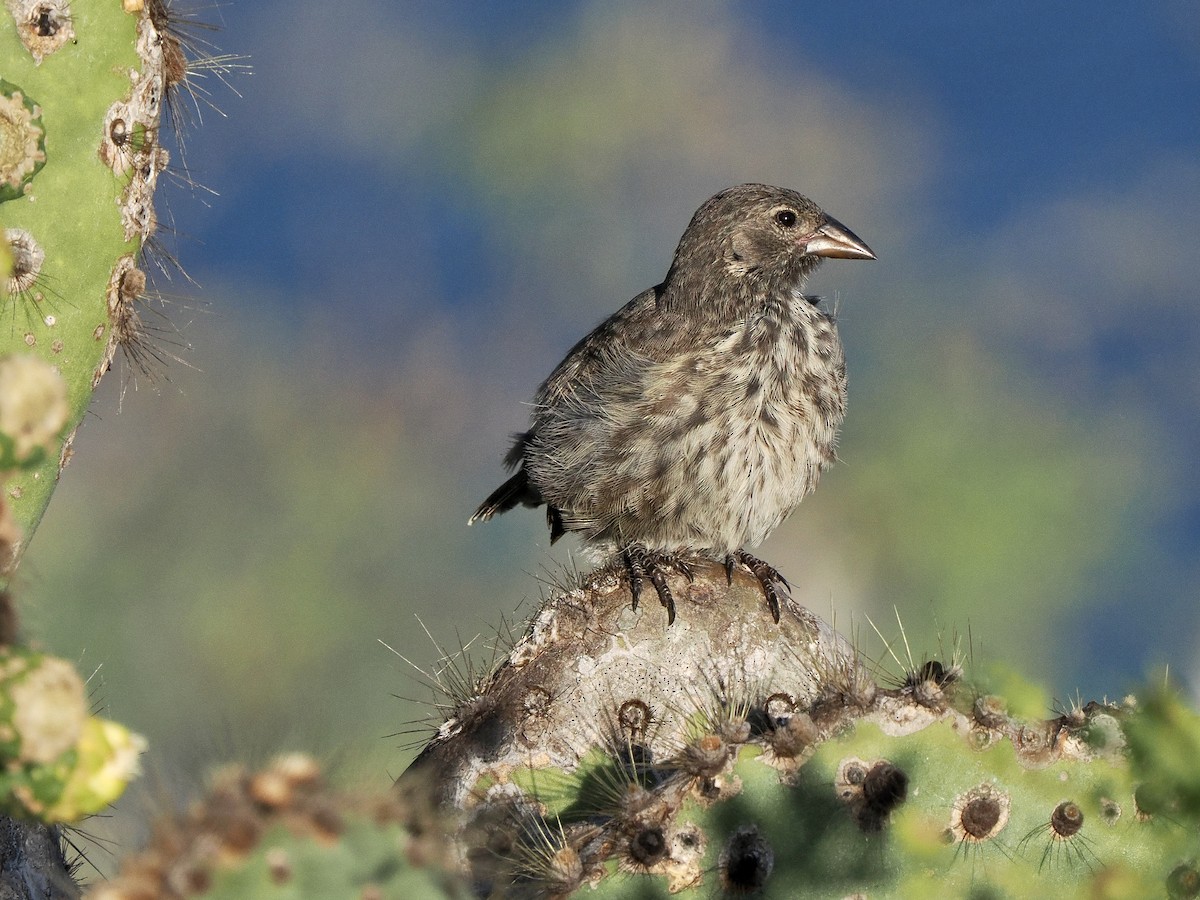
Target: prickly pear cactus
<point x="613" y="756"/>
<point x="283" y="833"/>
<point x="83" y="88"/>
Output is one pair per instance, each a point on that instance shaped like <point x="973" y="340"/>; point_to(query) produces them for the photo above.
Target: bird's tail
<point x="516" y="490"/>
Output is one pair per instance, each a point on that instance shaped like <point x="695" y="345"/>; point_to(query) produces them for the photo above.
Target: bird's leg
<point x="633" y="558"/>
<point x="659" y="579"/>
<point x="767" y="575"/>
<point x="653" y="564"/>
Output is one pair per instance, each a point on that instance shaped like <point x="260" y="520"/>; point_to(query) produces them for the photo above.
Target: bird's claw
<point x="643" y="563"/>
<point x="768" y="576"/>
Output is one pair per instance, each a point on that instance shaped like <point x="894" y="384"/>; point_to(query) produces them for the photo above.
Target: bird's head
<point x="756" y="233"/>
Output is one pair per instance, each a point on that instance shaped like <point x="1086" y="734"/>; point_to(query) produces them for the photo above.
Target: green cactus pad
<point x="78" y="196"/>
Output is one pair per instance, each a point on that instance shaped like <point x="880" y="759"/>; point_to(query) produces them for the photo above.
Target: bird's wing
<point x="591" y="449"/>
<point x="615" y="352"/>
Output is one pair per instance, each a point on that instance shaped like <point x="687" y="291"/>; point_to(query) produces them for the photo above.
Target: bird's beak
<point x="836" y="240"/>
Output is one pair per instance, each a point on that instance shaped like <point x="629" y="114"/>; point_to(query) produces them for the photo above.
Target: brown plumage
<point x="696" y="418"/>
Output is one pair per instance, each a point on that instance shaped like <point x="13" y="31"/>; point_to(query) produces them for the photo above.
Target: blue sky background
<point x="421" y="206"/>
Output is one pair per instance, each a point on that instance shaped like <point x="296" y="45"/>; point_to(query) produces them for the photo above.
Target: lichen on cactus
<point x="614" y="756"/>
<point x="22" y="141"/>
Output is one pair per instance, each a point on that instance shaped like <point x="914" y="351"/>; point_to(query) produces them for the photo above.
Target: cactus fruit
<point x="726" y="756"/>
<point x="59" y="763"/>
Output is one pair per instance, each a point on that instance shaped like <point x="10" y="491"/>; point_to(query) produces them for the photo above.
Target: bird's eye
<point x="786" y="218"/>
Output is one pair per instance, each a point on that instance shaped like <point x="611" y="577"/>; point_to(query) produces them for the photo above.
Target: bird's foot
<point x="654" y="564"/>
<point x="768" y="576"/>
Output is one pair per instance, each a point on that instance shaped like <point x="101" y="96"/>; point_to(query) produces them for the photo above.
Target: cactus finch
<point x="693" y="420"/>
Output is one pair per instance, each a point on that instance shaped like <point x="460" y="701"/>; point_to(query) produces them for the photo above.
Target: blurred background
<point x="420" y="207"/>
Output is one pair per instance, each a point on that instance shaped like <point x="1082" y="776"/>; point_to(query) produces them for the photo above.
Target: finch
<point x="691" y="422"/>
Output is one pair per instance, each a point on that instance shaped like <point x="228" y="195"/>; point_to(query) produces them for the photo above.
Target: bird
<point x="692" y="421"/>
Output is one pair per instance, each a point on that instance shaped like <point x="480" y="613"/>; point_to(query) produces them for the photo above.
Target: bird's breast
<point x="775" y="397"/>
